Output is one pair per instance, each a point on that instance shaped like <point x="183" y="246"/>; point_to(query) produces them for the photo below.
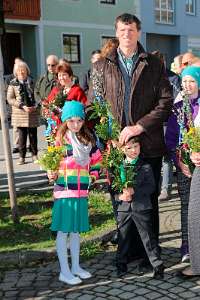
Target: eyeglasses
<point x="50" y="65"/>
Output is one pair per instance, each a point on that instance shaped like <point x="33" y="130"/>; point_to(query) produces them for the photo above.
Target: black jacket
<point x="144" y="186"/>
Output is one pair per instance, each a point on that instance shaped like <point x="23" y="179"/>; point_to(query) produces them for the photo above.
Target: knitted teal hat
<point x="192" y="71"/>
<point x="72" y="109"/>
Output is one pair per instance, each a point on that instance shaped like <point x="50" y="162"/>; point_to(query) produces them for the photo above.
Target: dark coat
<point x="150" y="99"/>
<point x="86" y="81"/>
<point x="43" y="87"/>
<point x="143" y="188"/>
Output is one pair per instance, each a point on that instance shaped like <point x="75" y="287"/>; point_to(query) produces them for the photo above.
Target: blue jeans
<point x="167" y="176"/>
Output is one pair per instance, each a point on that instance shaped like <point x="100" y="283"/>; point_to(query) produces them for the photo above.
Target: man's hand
<point x="195" y="158"/>
<point x="130" y="131"/>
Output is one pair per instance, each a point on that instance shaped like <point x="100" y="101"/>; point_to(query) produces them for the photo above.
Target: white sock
<point x="75" y="252"/>
<point x="61" y="247"/>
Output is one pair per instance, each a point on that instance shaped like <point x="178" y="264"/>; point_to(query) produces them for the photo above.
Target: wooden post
<point x="7" y="147"/>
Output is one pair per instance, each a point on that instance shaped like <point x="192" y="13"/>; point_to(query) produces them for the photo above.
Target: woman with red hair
<point x="66" y="90"/>
<point x="65" y="84"/>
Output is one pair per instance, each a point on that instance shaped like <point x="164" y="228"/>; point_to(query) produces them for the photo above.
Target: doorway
<point x="11" y="48"/>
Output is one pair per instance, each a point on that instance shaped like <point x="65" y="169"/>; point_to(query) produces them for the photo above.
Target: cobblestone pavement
<point x="41" y="282"/>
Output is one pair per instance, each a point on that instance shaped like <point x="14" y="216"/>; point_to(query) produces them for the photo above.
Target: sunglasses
<point x="49" y="65"/>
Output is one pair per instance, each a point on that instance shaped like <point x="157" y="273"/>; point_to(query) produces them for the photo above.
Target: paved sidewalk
<point x="41" y="282"/>
<point x="28" y="176"/>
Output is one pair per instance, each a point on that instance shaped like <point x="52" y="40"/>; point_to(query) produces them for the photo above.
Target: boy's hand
<point x="126" y="195"/>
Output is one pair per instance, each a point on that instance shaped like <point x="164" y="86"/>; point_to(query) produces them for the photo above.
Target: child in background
<point x="134" y="205"/>
<point x="184" y="110"/>
<point x="70" y="210"/>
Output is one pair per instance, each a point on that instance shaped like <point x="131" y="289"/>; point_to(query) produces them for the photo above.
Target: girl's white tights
<point x="74" y="244"/>
<point x="61" y="247"/>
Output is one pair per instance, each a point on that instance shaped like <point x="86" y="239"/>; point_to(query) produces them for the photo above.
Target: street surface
<point x="41" y="281"/>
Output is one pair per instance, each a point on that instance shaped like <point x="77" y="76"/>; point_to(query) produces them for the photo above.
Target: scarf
<point x="81" y="153"/>
<point x="26" y="93"/>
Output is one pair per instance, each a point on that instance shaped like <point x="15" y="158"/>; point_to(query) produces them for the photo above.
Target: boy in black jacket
<point x="134" y="205"/>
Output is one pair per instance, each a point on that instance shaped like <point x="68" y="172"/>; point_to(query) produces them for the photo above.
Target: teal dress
<point x="70" y="215"/>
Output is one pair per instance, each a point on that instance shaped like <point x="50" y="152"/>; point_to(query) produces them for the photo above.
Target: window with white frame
<point x="108" y="1"/>
<point x="190" y="7"/>
<point x="164" y="11"/>
<point x="71" y="48"/>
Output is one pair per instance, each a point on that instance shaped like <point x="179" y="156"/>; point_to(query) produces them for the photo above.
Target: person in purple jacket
<point x="191" y="85"/>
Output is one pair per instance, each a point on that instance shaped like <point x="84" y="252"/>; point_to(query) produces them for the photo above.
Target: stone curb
<point x="24" y="257"/>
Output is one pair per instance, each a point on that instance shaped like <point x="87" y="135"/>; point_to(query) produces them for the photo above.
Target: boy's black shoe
<point x="114" y="239"/>
<point x="145" y="263"/>
<point x="144" y="266"/>
<point x="121" y="270"/>
<point x="158" y="272"/>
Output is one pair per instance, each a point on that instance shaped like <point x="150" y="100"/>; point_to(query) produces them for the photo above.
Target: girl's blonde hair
<point x="84" y="135"/>
<point x="21" y="64"/>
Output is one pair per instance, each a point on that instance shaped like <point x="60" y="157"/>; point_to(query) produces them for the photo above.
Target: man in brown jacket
<point x="135" y="84"/>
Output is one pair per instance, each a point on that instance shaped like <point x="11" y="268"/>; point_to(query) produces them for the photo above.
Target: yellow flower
<point x="103" y="120"/>
<point x="192" y="130"/>
<point x="50" y="149"/>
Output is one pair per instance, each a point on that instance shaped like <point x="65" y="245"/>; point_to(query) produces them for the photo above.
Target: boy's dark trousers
<point x="143" y="222"/>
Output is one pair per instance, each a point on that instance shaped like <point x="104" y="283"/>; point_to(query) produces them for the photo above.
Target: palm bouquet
<point x="122" y="174"/>
<point x="51" y="157"/>
<point x="185" y="121"/>
<point x="53" y="105"/>
<point x="192" y="139"/>
<point x="51" y="111"/>
<point x="191" y="143"/>
<point x="107" y="130"/>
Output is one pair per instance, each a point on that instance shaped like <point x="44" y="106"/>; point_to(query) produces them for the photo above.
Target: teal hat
<point x="72" y="109"/>
<point x="192" y="71"/>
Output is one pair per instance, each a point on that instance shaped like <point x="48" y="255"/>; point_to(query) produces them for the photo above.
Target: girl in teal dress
<point x="80" y="163"/>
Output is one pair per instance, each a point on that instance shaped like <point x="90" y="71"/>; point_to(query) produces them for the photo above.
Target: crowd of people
<point x="153" y="106"/>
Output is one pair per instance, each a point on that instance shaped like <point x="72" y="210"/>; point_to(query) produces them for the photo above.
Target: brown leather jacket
<point x="150" y="99"/>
